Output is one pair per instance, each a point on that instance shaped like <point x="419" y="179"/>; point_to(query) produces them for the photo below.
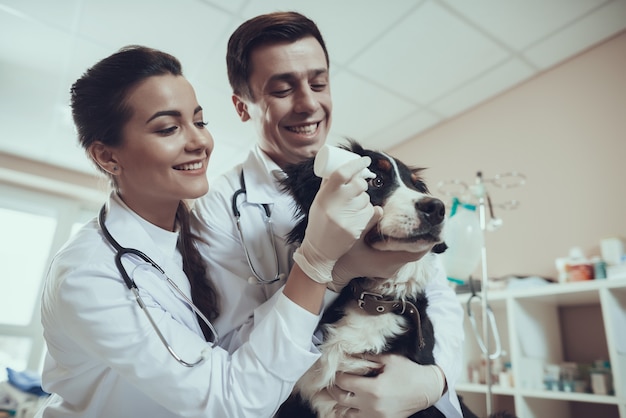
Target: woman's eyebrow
<point x="174" y="113"/>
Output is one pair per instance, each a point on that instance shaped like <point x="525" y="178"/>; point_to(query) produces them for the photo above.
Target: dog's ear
<point x="416" y="179"/>
<point x="353" y="146"/>
<point x="439" y="248"/>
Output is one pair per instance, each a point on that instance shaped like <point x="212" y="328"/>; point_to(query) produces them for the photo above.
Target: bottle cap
<point x="329" y="159"/>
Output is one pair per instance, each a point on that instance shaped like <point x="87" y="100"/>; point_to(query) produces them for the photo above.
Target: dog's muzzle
<point x="430" y="212"/>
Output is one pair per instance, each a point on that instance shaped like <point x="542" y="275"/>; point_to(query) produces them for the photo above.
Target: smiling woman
<point x="166" y="159"/>
<point x="130" y="290"/>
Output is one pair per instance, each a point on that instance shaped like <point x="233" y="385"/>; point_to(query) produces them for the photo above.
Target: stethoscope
<point x="492" y="323"/>
<point x="130" y="283"/>
<point x="270" y="227"/>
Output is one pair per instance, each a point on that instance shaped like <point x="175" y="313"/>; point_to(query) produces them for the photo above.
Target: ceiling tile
<point x="30" y="43"/>
<point x="402" y="130"/>
<point x="185" y="28"/>
<point x="586" y="32"/>
<point x="30" y="117"/>
<point x="232" y="6"/>
<point x="60" y="15"/>
<point x="483" y="87"/>
<point x="348" y="26"/>
<point x="519" y="24"/>
<point x="419" y="60"/>
<point x="360" y="108"/>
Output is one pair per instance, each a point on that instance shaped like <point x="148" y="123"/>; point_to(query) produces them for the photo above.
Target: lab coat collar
<point x="132" y="231"/>
<point x="261" y="174"/>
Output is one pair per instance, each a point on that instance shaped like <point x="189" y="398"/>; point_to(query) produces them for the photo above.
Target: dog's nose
<point x="433" y="209"/>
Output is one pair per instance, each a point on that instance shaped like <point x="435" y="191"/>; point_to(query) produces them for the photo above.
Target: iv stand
<point x="488" y="318"/>
<point x="484" y="286"/>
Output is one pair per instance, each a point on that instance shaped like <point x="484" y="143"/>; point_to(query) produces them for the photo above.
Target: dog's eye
<point x="376" y="183"/>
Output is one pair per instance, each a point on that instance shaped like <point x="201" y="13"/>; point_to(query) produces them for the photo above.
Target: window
<point x="34" y="226"/>
<point x="24" y="247"/>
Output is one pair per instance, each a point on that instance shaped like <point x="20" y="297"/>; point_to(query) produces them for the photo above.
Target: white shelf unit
<point x="577" y="322"/>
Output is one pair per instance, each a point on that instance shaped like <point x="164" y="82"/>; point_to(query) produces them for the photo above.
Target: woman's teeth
<point x="185" y="167"/>
<point x="304" y="129"/>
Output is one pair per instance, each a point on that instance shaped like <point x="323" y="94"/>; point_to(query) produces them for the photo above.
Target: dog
<point x="373" y="315"/>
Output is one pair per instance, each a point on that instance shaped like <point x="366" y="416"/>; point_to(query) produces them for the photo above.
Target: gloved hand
<point x="339" y="214"/>
<point x="402" y="389"/>
<point x="364" y="261"/>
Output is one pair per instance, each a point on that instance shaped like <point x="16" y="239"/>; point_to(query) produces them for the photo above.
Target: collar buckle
<point x="361" y="300"/>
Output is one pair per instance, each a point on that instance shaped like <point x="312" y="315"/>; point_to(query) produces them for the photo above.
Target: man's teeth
<point x="305" y="129"/>
<point x="194" y="166"/>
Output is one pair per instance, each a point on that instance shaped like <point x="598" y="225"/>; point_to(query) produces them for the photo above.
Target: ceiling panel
<point x="348" y="26"/>
<point x="420" y="61"/>
<point x="29" y="43"/>
<point x="382" y="107"/>
<point x="584" y="33"/>
<point x="398" y="68"/>
<point x="401" y="130"/>
<point x="185" y="28"/>
<point x="60" y="15"/>
<point x="483" y="87"/>
<point x="520" y="24"/>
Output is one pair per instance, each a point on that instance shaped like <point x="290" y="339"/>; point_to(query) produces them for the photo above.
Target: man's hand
<point x="400" y="390"/>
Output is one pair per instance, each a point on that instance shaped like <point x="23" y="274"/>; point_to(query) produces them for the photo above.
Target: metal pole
<point x="484" y="285"/>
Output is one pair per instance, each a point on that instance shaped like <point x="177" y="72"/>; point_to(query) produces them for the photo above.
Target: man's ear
<point x="241" y="107"/>
<point x="104" y="157"/>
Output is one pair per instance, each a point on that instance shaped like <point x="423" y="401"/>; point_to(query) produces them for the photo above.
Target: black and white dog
<point x="374" y="315"/>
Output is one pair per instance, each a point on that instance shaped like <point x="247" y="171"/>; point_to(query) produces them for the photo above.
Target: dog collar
<point x="377" y="304"/>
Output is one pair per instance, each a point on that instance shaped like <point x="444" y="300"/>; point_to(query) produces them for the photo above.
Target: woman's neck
<point x="159" y="213"/>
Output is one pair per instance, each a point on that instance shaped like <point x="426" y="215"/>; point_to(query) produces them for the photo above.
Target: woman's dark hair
<point x="265" y="29"/>
<point x="203" y="294"/>
<point x="100" y="110"/>
<point x="98" y="98"/>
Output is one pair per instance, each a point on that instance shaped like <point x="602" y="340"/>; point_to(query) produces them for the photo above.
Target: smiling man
<point x="278" y="69"/>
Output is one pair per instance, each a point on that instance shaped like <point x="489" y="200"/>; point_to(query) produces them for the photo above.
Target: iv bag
<point x="464" y="238"/>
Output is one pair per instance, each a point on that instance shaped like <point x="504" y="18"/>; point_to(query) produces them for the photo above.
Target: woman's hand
<point x="339" y="214"/>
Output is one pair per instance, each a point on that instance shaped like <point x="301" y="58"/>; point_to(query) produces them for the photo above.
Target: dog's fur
<point x="412" y="221"/>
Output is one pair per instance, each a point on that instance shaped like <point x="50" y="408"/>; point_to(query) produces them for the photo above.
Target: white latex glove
<point x="400" y="390"/>
<point x="339" y="214"/>
<point x="364" y="261"/>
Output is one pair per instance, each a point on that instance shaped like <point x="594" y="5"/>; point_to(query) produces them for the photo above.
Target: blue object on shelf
<point x="26" y="381"/>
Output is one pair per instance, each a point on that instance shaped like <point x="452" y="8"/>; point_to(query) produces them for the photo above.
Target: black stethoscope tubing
<point x="242" y="191"/>
<point x="268" y="216"/>
<point x="120" y="251"/>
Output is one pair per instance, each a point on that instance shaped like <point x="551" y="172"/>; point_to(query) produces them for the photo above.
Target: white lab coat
<point x="246" y="302"/>
<point x="106" y="360"/>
